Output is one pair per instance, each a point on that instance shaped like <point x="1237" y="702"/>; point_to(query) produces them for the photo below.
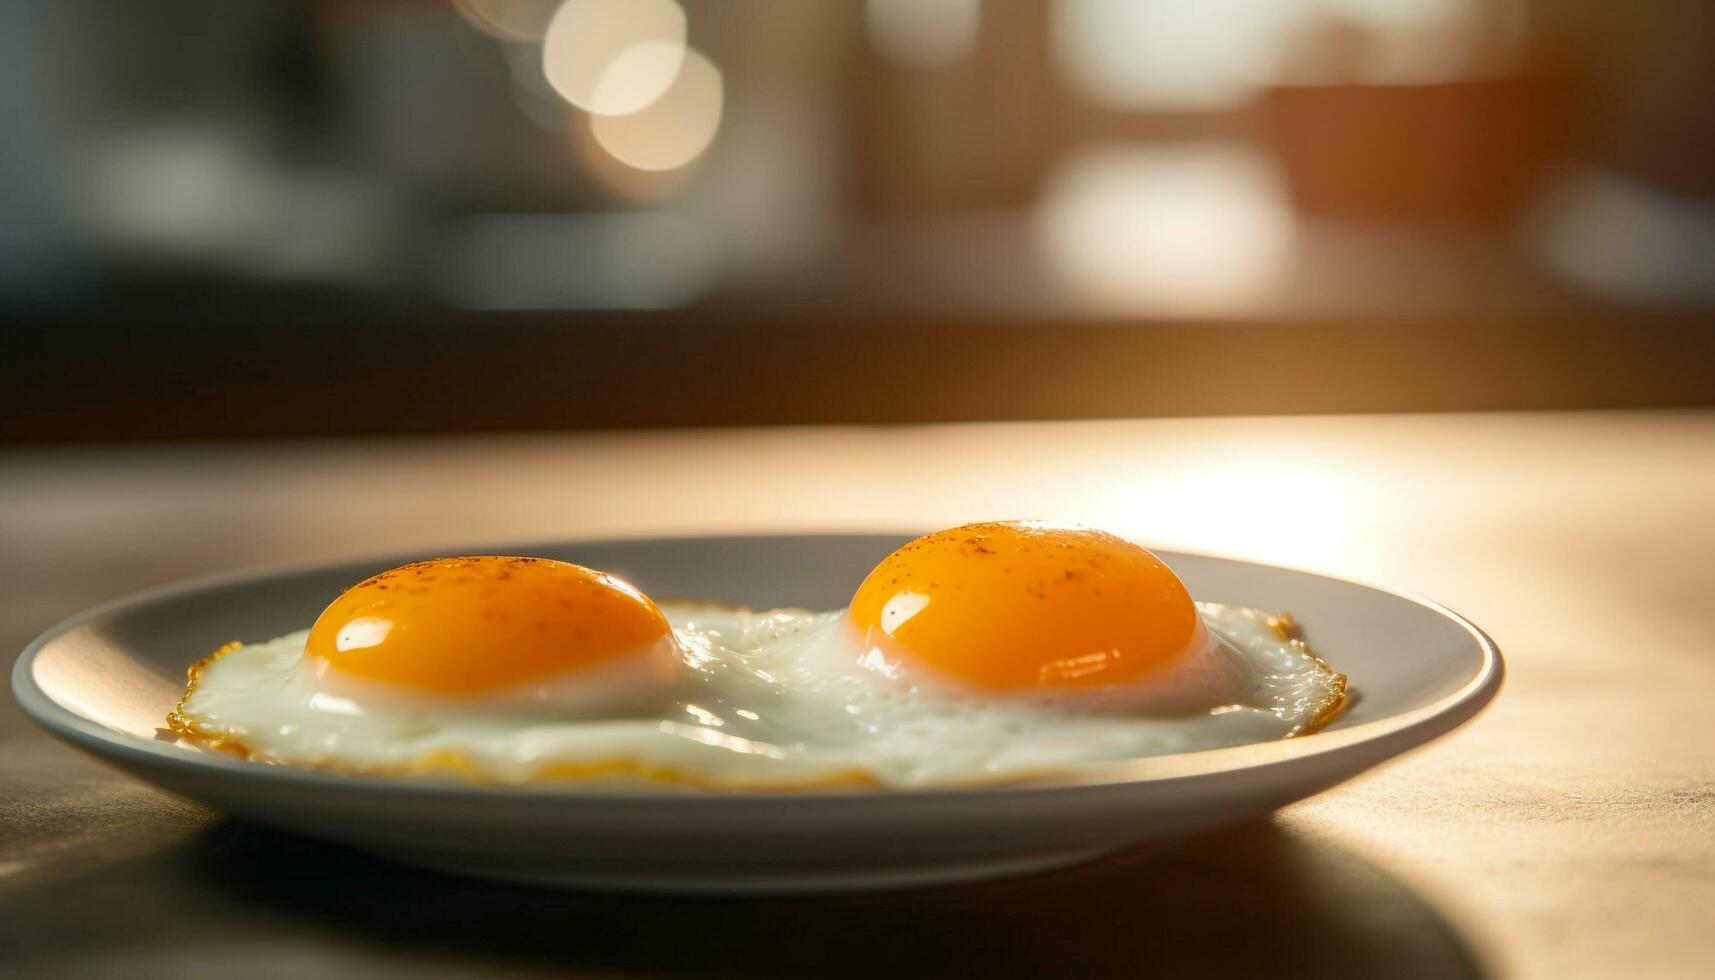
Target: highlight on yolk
<point x="470" y="625"/>
<point x="1019" y="605"/>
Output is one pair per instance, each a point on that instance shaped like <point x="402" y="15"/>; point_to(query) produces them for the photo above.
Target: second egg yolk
<point x="1009" y="606"/>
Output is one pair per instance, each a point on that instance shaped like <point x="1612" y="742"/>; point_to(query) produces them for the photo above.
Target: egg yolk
<point x="469" y="625"/>
<point x="1019" y="605"/>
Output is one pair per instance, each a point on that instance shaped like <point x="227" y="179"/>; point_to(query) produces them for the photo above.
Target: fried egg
<point x="986" y="653"/>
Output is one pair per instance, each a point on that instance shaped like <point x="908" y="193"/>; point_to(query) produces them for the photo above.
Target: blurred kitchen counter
<point x="1568" y="832"/>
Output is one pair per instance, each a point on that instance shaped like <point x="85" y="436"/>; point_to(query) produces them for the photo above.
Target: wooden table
<point x="1568" y="832"/>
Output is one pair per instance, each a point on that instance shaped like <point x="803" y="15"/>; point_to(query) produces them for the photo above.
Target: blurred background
<point x="256" y="219"/>
<point x="249" y="249"/>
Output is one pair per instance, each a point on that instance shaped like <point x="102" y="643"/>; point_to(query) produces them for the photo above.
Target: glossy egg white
<point x="776" y="699"/>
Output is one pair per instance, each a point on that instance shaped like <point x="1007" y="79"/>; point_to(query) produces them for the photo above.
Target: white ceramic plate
<point x="105" y="680"/>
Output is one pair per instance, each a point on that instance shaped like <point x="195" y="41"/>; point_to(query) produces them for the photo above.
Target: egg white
<point x="766" y="700"/>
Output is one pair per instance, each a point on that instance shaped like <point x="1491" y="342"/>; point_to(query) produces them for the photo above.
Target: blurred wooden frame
<point x="216" y="378"/>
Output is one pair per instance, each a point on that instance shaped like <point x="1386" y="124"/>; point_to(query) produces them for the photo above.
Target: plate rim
<point x="1407" y="729"/>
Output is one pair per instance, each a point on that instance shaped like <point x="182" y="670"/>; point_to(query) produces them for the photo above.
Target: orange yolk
<point x="1017" y="605"/>
<point x="469" y="625"/>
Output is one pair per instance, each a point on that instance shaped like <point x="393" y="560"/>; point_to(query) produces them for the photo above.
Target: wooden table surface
<point x="1567" y="832"/>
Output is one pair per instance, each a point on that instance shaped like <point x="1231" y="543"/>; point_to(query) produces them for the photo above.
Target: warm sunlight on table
<point x="1568" y="832"/>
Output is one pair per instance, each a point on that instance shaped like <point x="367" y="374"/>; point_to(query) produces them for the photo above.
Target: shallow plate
<point x="104" y="681"/>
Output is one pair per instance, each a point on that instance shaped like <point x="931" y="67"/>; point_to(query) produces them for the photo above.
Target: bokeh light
<point x="1220" y="54"/>
<point x="614" y="57"/>
<point x="1132" y="54"/>
<point x="621" y="180"/>
<point x="1203" y="228"/>
<point x="673" y="130"/>
<point x="924" y="34"/>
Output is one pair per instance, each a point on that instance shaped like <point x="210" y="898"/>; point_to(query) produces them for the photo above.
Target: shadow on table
<point x="1257" y="900"/>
